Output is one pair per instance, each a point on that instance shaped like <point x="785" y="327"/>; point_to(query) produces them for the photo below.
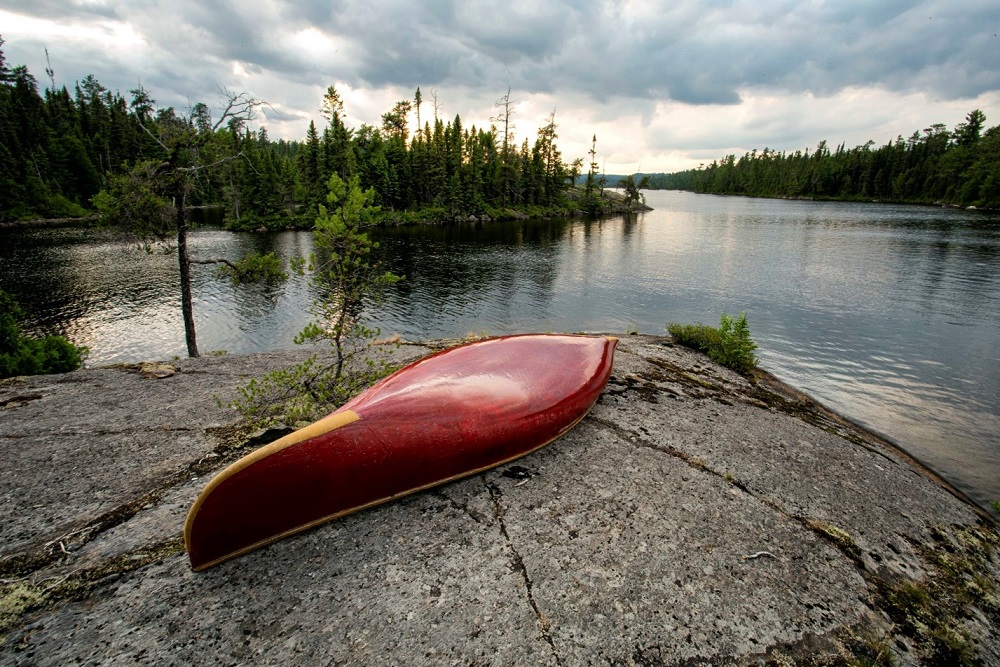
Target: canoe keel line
<point x="449" y="415"/>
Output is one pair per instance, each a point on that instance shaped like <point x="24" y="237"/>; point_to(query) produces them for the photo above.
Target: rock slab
<point x="694" y="517"/>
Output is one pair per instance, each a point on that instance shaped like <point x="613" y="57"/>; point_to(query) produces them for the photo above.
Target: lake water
<point x="887" y="314"/>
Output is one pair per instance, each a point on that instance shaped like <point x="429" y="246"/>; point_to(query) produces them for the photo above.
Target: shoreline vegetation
<point x="613" y="203"/>
<point x="25" y="355"/>
<point x="957" y="168"/>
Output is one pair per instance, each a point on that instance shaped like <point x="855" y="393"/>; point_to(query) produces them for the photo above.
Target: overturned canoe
<point x="448" y="415"/>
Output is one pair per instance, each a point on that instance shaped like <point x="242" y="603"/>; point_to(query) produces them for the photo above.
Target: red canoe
<point x="451" y="414"/>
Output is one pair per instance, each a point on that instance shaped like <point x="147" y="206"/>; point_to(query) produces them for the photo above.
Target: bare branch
<point x="505" y="113"/>
<point x="228" y="158"/>
<point x="437" y="105"/>
<point x="242" y="106"/>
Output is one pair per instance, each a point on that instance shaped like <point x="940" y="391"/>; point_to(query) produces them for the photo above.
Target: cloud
<point x="277" y="115"/>
<point x="777" y="71"/>
<point x="61" y="10"/>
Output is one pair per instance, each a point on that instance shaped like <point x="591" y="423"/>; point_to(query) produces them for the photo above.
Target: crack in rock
<point x="24" y="596"/>
<point x="34" y="557"/>
<point x="518" y="564"/>
<point x="18" y="399"/>
<point x="463" y="508"/>
<point x="38" y="557"/>
<point x="634" y="438"/>
<point x="102" y="433"/>
<point x="763" y="391"/>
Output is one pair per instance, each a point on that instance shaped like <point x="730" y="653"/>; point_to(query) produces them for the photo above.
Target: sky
<point x="664" y="85"/>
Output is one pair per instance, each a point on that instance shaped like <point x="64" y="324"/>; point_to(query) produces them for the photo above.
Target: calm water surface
<point x="888" y="314"/>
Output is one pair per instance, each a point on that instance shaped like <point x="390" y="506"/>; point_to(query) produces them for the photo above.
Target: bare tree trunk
<point x="184" y="260"/>
<point x="504" y="116"/>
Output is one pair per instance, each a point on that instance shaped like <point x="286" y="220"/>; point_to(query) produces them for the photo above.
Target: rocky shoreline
<point x="694" y="517"/>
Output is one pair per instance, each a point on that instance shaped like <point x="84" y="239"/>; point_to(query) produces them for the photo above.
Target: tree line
<point x="959" y="167"/>
<point x="59" y="148"/>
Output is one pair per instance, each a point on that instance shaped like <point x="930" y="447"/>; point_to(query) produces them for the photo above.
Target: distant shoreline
<point x="839" y="200"/>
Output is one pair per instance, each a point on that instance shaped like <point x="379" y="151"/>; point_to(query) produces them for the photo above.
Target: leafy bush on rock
<point x="729" y="345"/>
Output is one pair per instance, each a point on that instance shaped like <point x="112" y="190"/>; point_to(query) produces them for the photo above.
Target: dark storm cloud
<point x="466" y="44"/>
<point x="700" y="53"/>
<point x="696" y="52"/>
<point x="59" y="9"/>
<point x="937" y="47"/>
<point x="708" y="53"/>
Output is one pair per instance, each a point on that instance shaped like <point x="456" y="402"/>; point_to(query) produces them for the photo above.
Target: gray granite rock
<point x="694" y="517"/>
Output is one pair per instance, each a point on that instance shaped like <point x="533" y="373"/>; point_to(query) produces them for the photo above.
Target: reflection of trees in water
<point x="949" y="266"/>
<point x="472" y="275"/>
<point x="38" y="274"/>
<point x="206" y="216"/>
<point x="630" y="222"/>
<point x="253" y="301"/>
<point x="461" y="266"/>
<point x="256" y="302"/>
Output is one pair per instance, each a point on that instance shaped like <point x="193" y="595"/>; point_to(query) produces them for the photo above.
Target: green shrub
<point x="729" y="345"/>
<point x="254" y="268"/>
<point x="736" y="349"/>
<point x="60" y="207"/>
<point x="21" y="355"/>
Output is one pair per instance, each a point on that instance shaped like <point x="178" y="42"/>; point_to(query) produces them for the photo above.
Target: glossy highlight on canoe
<point x="443" y="417"/>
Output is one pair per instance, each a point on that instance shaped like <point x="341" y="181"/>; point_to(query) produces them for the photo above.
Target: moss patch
<point x="935" y="612"/>
<point x="840" y="538"/>
<point x="849" y="647"/>
<point x="17" y="598"/>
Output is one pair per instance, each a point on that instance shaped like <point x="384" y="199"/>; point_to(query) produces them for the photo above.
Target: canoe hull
<point x="449" y="415"/>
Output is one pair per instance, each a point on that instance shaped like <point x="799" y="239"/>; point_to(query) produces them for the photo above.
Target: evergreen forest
<point x="59" y="148"/>
<point x="958" y="167"/>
